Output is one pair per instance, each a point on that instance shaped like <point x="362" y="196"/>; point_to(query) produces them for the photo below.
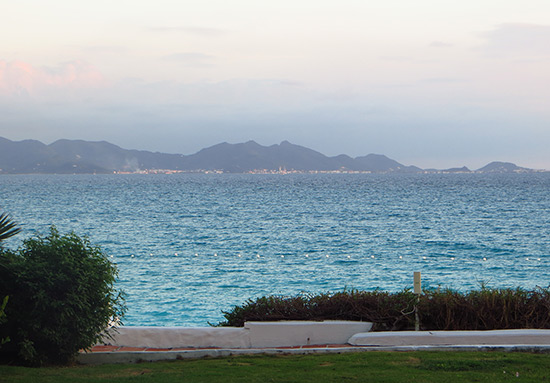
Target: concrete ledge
<point x="303" y="333"/>
<point x="253" y="335"/>
<point x="178" y="337"/>
<point x="434" y="338"/>
<point x="148" y="356"/>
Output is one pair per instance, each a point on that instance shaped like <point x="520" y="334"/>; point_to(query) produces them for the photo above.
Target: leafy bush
<point x="485" y="309"/>
<point x="62" y="297"/>
<point x="8" y="228"/>
<point x="3" y="318"/>
<point x="387" y="311"/>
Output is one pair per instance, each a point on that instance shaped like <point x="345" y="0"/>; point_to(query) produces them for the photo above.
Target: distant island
<point x="91" y="157"/>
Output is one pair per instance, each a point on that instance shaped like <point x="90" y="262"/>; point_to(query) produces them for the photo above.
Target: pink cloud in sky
<point x="518" y="38"/>
<point x="21" y="78"/>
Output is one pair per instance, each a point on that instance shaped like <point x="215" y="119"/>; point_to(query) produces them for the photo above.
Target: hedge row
<point x="484" y="309"/>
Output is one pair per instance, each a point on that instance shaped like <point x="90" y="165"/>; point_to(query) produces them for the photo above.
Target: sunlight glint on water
<point x="203" y="243"/>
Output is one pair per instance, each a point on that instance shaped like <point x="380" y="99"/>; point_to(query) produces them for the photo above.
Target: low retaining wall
<point x="456" y="338"/>
<point x="151" y="356"/>
<point x="178" y="337"/>
<point x="198" y="340"/>
<point x="302" y="333"/>
<point x="253" y="335"/>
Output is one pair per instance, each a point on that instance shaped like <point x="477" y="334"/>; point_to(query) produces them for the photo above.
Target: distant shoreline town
<point x="292" y="171"/>
<point x="101" y="157"/>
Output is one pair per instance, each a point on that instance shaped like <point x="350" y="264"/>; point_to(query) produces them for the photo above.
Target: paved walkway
<point x="116" y="354"/>
<point x="100" y="348"/>
<point x="295" y="338"/>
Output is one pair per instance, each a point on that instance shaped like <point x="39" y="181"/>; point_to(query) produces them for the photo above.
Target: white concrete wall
<point x="303" y="333"/>
<point x="435" y="338"/>
<point x="173" y="337"/>
<point x="254" y="334"/>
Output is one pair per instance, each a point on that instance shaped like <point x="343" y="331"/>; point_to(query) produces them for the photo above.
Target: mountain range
<point x="78" y="156"/>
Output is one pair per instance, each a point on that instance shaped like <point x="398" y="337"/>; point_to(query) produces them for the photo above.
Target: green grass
<point x="357" y="367"/>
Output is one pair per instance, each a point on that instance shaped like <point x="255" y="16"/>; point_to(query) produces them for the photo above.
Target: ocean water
<point x="191" y="245"/>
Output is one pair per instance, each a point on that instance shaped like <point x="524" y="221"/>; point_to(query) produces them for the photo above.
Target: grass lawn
<point x="357" y="367"/>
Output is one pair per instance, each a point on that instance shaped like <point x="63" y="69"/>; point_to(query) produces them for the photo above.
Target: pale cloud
<point x="21" y="78"/>
<point x="101" y="49"/>
<point x="443" y="80"/>
<point x="396" y="58"/>
<point x="513" y="39"/>
<point x="441" y="44"/>
<point x="194" y="59"/>
<point x="191" y="30"/>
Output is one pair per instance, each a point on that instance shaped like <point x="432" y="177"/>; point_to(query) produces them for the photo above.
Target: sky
<point x="431" y="83"/>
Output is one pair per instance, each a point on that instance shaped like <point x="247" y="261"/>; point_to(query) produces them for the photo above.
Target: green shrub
<point x="3" y="318"/>
<point x="485" y="309"/>
<point x="62" y="297"/>
<point x="8" y="228"/>
<point x="388" y="311"/>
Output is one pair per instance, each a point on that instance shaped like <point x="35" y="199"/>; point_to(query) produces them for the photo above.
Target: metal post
<point x="417" y="291"/>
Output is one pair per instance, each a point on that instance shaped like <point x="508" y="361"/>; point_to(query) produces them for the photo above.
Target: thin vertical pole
<point x="417" y="291"/>
<point x="416" y="317"/>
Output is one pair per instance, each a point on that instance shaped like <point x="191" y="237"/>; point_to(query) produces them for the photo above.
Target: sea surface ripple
<point x="191" y="245"/>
